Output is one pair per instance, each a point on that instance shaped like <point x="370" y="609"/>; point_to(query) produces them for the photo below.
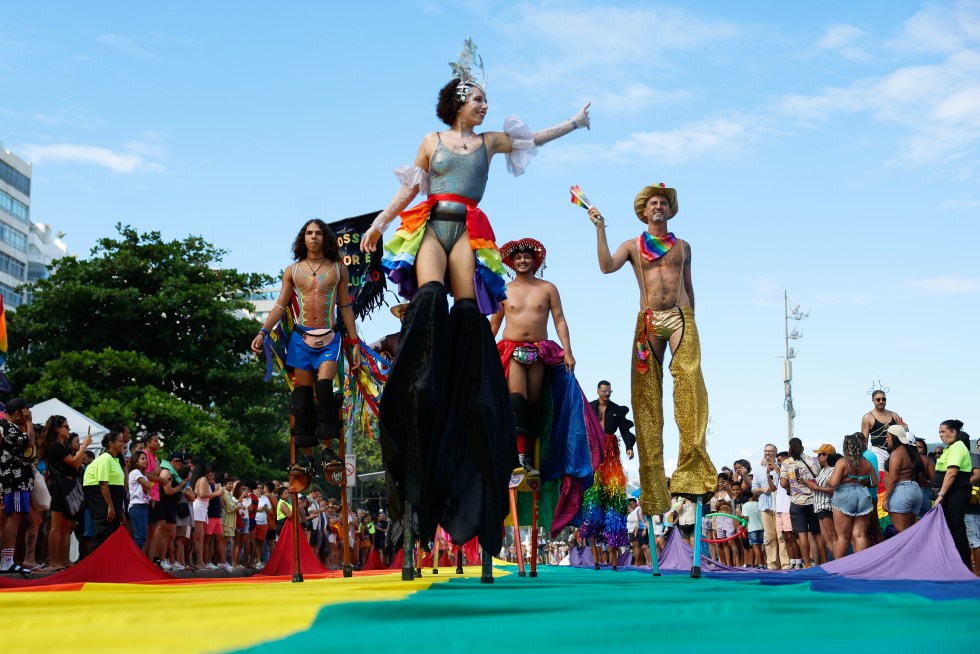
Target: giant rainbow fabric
<point x="3" y="333"/>
<point x="403" y="246"/>
<point x="570" y="441"/>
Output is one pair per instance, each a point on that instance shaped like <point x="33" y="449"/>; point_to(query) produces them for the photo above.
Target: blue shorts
<point x="972" y="529"/>
<point x="906" y="497"/>
<point x="756" y="537"/>
<point x="852" y="500"/>
<point x="301" y="356"/>
<point x="17" y="502"/>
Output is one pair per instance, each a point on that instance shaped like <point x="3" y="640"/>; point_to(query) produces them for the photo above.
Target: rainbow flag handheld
<point x="578" y="197"/>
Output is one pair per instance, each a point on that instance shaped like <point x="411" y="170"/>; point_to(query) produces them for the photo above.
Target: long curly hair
<point x="330" y="248"/>
<point x="853" y="447"/>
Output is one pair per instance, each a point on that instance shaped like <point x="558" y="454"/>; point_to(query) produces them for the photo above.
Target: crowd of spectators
<point x="181" y="512"/>
<point x="791" y="510"/>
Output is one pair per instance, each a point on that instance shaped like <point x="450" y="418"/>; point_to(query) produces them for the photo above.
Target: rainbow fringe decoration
<point x="276" y="342"/>
<point x="606" y="506"/>
<point x="578" y="197"/>
<point x="362" y="393"/>
<point x="653" y="247"/>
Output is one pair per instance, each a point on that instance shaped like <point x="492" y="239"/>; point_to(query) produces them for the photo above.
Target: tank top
<point x="214" y="504"/>
<point x="879" y="430"/>
<point x="459" y="174"/>
<point x="306" y="281"/>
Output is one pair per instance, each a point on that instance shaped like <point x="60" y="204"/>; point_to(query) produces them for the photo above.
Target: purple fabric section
<point x="924" y="552"/>
<point x="406" y="281"/>
<point x="678" y="555"/>
<point x="487" y="304"/>
<point x="582" y="557"/>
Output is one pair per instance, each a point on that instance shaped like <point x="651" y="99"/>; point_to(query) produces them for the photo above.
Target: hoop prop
<point x="738" y="532"/>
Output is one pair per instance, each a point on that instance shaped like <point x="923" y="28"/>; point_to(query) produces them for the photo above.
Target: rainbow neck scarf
<point x="653" y="247"/>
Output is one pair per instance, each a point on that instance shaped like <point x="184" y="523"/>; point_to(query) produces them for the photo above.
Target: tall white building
<point x="15" y="225"/>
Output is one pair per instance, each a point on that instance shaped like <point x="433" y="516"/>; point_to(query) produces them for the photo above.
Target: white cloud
<point x="708" y="138"/>
<point x="948" y="285"/>
<point x="941" y="28"/>
<point x="126" y="45"/>
<point x="959" y="203"/>
<point x="846" y="41"/>
<point x="845" y="297"/>
<point x="938" y="103"/>
<point x="636" y="97"/>
<point x="129" y="161"/>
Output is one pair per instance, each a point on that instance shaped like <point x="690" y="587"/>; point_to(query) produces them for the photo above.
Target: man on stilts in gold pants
<point x="662" y="264"/>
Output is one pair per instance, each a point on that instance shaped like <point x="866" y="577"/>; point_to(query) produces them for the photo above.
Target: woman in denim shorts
<point x="851" y="502"/>
<point x="902" y="494"/>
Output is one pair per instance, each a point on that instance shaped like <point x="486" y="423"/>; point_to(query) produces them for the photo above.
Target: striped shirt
<point x="821" y="500"/>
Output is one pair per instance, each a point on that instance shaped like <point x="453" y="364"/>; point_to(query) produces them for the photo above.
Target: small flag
<point x="578" y="197"/>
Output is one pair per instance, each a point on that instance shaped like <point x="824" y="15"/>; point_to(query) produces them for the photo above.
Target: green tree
<point x="154" y="333"/>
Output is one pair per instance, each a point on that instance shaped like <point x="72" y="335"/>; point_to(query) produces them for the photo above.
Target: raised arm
<point x="561" y="326"/>
<point x="278" y="311"/>
<point x="404" y="195"/>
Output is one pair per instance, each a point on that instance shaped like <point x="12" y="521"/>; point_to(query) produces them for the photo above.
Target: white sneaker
<point x="177" y="565"/>
<point x="225" y="567"/>
<point x="211" y="566"/>
<point x="259" y="565"/>
<point x="164" y="565"/>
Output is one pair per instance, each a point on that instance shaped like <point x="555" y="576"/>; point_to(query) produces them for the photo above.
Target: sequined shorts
<point x="663" y="324"/>
<point x="448" y="223"/>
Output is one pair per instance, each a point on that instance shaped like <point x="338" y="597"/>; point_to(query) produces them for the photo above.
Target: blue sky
<point x="829" y="149"/>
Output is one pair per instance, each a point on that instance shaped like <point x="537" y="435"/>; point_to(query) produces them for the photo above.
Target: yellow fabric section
<point x="186" y="618"/>
<point x="695" y="473"/>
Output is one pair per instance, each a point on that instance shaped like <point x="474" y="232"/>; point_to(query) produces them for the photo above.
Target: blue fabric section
<point x="568" y="435"/>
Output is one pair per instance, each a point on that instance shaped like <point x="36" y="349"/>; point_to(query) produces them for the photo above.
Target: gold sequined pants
<point x="695" y="474"/>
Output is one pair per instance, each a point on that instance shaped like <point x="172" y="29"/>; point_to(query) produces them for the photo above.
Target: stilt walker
<point x="557" y="434"/>
<point x="447" y="431"/>
<point x="662" y="265"/>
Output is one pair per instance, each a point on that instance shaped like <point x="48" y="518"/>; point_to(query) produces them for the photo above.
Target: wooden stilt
<point x="435" y="554"/>
<point x="297" y="570"/>
<point x="696" y="564"/>
<point x="595" y="553"/>
<point x="535" y="496"/>
<point x="345" y="510"/>
<point x="459" y="560"/>
<point x="418" y="556"/>
<point x="518" y="548"/>
<point x="653" y="548"/>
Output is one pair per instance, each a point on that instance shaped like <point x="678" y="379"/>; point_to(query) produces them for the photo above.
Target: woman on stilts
<point x="447" y="431"/>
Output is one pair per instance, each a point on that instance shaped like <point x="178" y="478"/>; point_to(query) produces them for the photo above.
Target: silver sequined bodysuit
<point x="459" y="174"/>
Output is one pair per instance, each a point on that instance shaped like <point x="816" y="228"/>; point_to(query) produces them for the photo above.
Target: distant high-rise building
<point x="26" y="248"/>
<point x="15" y="225"/>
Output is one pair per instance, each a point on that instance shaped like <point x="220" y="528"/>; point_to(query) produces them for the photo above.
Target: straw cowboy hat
<point x="647" y="192"/>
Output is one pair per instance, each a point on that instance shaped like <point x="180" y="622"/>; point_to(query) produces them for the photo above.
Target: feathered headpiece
<point x="463" y="70"/>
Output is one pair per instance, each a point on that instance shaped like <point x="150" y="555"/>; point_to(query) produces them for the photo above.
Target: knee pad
<point x="327" y="410"/>
<point x="519" y="406"/>
<point x="302" y="419"/>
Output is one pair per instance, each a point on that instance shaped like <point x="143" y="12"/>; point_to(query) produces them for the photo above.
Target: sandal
<point x="16" y="569"/>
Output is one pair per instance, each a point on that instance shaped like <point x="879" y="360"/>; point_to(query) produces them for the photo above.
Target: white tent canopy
<point x="79" y="422"/>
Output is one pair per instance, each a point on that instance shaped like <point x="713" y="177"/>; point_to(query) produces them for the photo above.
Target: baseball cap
<point x="16" y="404"/>
<point x="826" y="448"/>
<point x="898" y="432"/>
<point x="179" y="456"/>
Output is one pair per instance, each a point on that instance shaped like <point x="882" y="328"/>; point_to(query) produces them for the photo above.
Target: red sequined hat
<point x="534" y="246"/>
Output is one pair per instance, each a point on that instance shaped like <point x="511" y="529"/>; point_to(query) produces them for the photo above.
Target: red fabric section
<point x="373" y="561"/>
<point x="398" y="561"/>
<point x="281" y="560"/>
<point x="116" y="561"/>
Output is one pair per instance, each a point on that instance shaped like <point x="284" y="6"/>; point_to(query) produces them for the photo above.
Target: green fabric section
<point x="575" y="610"/>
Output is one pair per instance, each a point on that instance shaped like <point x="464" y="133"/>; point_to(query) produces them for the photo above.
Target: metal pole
<point x="786" y="370"/>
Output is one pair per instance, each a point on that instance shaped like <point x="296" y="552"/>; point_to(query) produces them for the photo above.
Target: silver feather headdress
<point x="463" y="70"/>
